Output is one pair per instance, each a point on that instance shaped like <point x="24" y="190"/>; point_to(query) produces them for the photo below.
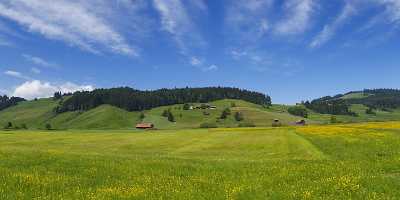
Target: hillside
<point x="36" y="114"/>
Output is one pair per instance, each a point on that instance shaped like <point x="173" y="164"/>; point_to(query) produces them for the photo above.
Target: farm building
<point x="144" y="125"/>
<point x="301" y="122"/>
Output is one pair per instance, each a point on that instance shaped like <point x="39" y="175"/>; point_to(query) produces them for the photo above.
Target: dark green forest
<point x="137" y="100"/>
<point x="6" y="101"/>
<point x="379" y="98"/>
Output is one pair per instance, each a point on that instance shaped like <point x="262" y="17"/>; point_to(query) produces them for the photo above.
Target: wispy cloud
<point x="39" y="61"/>
<point x="329" y="30"/>
<point x="74" y="22"/>
<point x="16" y="74"/>
<point x="298" y="17"/>
<point x="247" y="19"/>
<point x="210" y="68"/>
<point x="194" y="61"/>
<point x="38" y="89"/>
<point x="35" y="70"/>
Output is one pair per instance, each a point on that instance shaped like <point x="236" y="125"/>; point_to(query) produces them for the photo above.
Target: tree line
<point x="6" y="101"/>
<point x="379" y="98"/>
<point x="137" y="100"/>
<point x="330" y="105"/>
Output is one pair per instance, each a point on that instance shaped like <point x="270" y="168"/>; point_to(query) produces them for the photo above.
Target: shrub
<point x="239" y="116"/>
<point x="48" y="126"/>
<point x="276" y="124"/>
<point x="208" y="125"/>
<point x="8" y="125"/>
<point x="171" y="117"/>
<point x="225" y="113"/>
<point x="333" y="119"/>
<point x="233" y="104"/>
<point x="24" y="126"/>
<point x="186" y="106"/>
<point x="298" y="111"/>
<point x="370" y="111"/>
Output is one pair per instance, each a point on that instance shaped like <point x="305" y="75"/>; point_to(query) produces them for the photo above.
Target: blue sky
<point x="292" y="50"/>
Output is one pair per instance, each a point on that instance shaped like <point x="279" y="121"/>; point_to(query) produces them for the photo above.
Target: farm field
<point x="357" y="161"/>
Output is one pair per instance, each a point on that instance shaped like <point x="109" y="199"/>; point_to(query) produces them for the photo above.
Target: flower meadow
<point x="352" y="161"/>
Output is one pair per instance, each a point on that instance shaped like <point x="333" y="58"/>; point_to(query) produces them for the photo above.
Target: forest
<point x="6" y="101"/>
<point x="137" y="100"/>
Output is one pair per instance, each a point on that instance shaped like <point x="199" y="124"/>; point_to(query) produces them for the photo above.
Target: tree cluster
<point x="330" y="105"/>
<point x="379" y="98"/>
<point x="6" y="101"/>
<point x="136" y="100"/>
<point x="300" y="111"/>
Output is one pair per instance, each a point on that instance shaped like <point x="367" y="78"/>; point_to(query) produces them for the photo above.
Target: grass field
<point x="357" y="161"/>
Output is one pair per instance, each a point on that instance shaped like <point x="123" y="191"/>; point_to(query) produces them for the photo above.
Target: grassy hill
<point x="359" y="161"/>
<point x="36" y="114"/>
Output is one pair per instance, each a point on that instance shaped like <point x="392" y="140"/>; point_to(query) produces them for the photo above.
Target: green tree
<point x="370" y="111"/>
<point x="48" y="126"/>
<point x="171" y="117"/>
<point x="165" y="113"/>
<point x="141" y="116"/>
<point x="24" y="126"/>
<point x="225" y="113"/>
<point x="8" y="125"/>
<point x="186" y="106"/>
<point x="239" y="116"/>
<point x="333" y="119"/>
<point x="298" y="111"/>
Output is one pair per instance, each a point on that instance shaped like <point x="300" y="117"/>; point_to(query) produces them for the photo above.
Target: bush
<point x="334" y="120"/>
<point x="225" y="113"/>
<point x="298" y="111"/>
<point x="233" y="104"/>
<point x="247" y="124"/>
<point x="186" y="106"/>
<point x="370" y="111"/>
<point x="276" y="124"/>
<point x="239" y="116"/>
<point x="48" y="126"/>
<point x="23" y="126"/>
<point x="208" y="125"/>
<point x="8" y="125"/>
<point x="171" y="117"/>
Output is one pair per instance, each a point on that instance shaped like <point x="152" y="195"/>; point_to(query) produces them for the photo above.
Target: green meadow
<point x="357" y="161"/>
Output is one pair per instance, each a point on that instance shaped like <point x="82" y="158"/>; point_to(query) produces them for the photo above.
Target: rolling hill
<point x="36" y="114"/>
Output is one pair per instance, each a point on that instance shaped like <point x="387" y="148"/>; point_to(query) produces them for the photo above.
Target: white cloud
<point x="210" y="68"/>
<point x="74" y="22"/>
<point x="39" y="61"/>
<point x="329" y="30"/>
<point x="176" y="21"/>
<point x="16" y="74"/>
<point x="195" y="61"/>
<point x="247" y="19"/>
<point x="35" y="70"/>
<point x="38" y="89"/>
<point x="392" y="9"/>
<point x="298" y="17"/>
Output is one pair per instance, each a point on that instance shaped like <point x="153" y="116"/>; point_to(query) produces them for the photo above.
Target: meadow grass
<point x="358" y="161"/>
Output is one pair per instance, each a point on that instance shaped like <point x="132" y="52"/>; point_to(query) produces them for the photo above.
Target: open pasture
<point x="357" y="161"/>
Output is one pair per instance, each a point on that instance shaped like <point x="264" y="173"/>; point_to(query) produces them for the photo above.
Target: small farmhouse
<point x="144" y="125"/>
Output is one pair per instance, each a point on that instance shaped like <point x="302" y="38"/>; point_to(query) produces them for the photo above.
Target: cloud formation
<point x="38" y="89"/>
<point x="16" y="74"/>
<point x="329" y="30"/>
<point x="39" y="61"/>
<point x="298" y="17"/>
<point x="73" y="22"/>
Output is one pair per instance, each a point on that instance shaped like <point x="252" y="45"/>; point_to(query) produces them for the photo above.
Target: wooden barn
<point x="144" y="125"/>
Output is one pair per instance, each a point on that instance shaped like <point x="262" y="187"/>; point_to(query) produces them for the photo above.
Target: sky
<point x="292" y="50"/>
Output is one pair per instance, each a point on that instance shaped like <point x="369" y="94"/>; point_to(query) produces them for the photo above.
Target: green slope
<point x="36" y="114"/>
